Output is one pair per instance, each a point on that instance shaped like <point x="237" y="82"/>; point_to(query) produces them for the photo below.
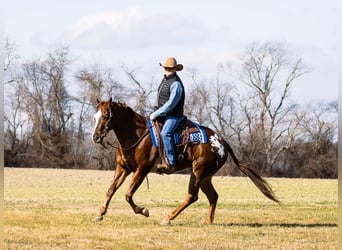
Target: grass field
<point x="54" y="209"/>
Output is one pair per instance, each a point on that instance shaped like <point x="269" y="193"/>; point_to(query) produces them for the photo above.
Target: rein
<point x="130" y="147"/>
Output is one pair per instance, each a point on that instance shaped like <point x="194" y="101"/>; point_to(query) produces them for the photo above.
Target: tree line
<point x="49" y="107"/>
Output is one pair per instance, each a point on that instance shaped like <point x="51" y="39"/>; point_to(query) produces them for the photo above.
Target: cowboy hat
<point x="171" y="62"/>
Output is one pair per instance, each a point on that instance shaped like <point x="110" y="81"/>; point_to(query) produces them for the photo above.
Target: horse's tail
<point x="260" y="182"/>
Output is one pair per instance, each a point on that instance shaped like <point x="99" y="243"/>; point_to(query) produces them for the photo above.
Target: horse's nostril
<point x="96" y="138"/>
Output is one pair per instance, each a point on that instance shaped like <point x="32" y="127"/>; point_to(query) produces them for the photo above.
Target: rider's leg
<point x="167" y="132"/>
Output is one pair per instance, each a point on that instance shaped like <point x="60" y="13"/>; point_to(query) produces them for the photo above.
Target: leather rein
<point x="130" y="147"/>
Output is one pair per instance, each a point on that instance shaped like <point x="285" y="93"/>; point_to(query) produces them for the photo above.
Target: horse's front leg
<point x="136" y="181"/>
<point x="119" y="177"/>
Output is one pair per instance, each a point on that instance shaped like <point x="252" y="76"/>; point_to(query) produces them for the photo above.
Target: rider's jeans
<point x="167" y="132"/>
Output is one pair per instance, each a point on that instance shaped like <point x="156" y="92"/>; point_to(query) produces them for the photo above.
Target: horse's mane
<point x="121" y="105"/>
<point x="124" y="106"/>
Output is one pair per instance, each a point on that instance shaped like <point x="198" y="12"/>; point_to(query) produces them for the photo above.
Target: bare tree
<point x="139" y="92"/>
<point x="319" y="125"/>
<point x="314" y="153"/>
<point x="11" y="56"/>
<point x="268" y="72"/>
<point x="211" y="103"/>
<point x="15" y="139"/>
<point x="12" y="102"/>
<point x="46" y="103"/>
<point x="197" y="98"/>
<point x="96" y="81"/>
<point x="14" y="123"/>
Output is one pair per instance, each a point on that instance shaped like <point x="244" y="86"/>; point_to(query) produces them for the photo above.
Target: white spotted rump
<point x="217" y="146"/>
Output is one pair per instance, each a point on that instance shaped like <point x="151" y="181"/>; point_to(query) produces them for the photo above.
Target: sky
<point x="199" y="34"/>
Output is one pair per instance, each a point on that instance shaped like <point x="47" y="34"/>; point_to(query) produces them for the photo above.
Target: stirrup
<point x="164" y="168"/>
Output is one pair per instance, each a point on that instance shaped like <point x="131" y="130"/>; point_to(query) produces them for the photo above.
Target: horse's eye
<point x="106" y="117"/>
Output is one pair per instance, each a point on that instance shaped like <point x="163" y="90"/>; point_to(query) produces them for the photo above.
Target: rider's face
<point x="169" y="71"/>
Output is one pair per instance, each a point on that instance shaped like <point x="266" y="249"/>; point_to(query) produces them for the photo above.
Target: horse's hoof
<point x="98" y="218"/>
<point x="145" y="212"/>
<point x="165" y="222"/>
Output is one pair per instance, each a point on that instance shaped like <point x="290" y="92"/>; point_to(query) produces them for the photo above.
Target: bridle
<point x="109" y="119"/>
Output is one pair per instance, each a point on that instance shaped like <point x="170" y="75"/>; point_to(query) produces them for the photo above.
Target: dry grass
<point x="54" y="209"/>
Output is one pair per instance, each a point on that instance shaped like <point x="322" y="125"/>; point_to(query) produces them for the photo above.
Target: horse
<point x="136" y="154"/>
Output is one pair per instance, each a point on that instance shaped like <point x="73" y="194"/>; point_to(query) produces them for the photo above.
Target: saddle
<point x="187" y="134"/>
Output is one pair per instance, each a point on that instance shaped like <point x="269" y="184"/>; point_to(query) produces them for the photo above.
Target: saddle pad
<point x="153" y="132"/>
<point x="197" y="136"/>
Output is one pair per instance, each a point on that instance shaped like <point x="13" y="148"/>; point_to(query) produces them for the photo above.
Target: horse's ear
<point x="97" y="101"/>
<point x="110" y="100"/>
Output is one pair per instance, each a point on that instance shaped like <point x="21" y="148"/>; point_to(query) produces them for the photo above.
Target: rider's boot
<point x="166" y="168"/>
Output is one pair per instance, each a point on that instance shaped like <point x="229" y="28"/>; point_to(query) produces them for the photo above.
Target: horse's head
<point x="103" y="120"/>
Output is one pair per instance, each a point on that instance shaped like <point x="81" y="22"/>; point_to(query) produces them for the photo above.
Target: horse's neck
<point x="130" y="128"/>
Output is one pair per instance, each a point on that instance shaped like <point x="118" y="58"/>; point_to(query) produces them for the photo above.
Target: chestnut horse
<point x="136" y="154"/>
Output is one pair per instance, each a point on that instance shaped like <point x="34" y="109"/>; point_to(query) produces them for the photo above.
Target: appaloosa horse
<point x="136" y="154"/>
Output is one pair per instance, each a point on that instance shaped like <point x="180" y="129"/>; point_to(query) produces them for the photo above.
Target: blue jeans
<point x="170" y="126"/>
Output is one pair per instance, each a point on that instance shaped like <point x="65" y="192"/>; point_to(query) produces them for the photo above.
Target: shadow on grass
<point x="286" y="225"/>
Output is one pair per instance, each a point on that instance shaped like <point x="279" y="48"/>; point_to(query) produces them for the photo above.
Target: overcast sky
<point x="200" y="34"/>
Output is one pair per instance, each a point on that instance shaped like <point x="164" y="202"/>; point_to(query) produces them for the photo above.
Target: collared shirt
<point x="176" y="91"/>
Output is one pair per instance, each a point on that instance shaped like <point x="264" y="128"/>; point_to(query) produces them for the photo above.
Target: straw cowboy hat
<point x="171" y="62"/>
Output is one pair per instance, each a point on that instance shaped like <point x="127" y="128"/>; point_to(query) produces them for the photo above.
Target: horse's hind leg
<point x="119" y="177"/>
<point x="191" y="197"/>
<point x="209" y="190"/>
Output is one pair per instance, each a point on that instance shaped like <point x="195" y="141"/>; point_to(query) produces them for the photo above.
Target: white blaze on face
<point x="97" y="117"/>
<point x="216" y="145"/>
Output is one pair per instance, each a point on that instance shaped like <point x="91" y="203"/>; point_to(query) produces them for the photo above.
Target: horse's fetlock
<point x="98" y="218"/>
<point x="138" y="210"/>
<point x="103" y="210"/>
<point x="128" y="198"/>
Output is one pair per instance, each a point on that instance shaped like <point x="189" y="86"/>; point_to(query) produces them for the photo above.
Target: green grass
<point x="55" y="208"/>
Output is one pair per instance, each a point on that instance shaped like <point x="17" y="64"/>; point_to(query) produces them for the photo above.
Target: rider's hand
<point x="151" y="117"/>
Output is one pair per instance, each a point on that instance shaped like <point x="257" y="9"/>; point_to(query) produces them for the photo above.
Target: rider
<point x="171" y="96"/>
